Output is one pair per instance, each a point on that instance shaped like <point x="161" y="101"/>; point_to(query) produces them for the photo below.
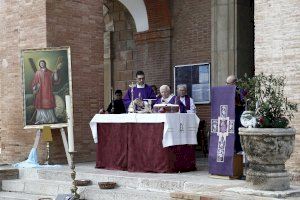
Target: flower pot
<point x="267" y="150"/>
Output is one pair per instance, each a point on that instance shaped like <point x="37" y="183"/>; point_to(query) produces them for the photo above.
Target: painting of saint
<point x="214" y="125"/>
<point x="223" y="109"/>
<point x="47" y="79"/>
<point x="223" y="126"/>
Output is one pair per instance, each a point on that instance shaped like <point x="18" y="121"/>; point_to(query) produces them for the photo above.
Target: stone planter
<point x="267" y="150"/>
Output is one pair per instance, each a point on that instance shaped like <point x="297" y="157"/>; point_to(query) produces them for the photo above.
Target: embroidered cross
<point x="222" y="126"/>
<point x="181" y="127"/>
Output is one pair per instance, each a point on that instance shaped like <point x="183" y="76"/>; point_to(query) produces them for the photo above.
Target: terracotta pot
<point x="267" y="150"/>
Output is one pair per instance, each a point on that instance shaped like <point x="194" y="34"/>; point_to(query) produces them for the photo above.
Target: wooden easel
<point x="64" y="139"/>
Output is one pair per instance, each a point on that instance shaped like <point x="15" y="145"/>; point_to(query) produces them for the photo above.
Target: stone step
<point x="39" y="187"/>
<point x="21" y="196"/>
<point x="94" y="193"/>
<point x="141" y="181"/>
<point x="53" y="188"/>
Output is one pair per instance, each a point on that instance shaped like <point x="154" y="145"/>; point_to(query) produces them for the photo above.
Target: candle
<point x="112" y="97"/>
<point x="70" y="123"/>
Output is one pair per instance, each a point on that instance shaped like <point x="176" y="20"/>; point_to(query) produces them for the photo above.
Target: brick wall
<point x="23" y="25"/>
<point x="191" y="37"/>
<point x="79" y="24"/>
<point x="277" y="51"/>
<point x="148" y="51"/>
<point x="123" y="54"/>
<point x="159" y="14"/>
<point x="154" y="46"/>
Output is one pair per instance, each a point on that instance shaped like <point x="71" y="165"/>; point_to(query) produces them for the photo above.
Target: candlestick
<point x="131" y="108"/>
<point x="70" y="123"/>
<point x="48" y="154"/>
<point x="112" y="99"/>
<point x="73" y="176"/>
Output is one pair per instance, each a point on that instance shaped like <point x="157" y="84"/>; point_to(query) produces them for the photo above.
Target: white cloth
<point x="140" y="86"/>
<point x="167" y="99"/>
<point x="192" y="105"/>
<point x="179" y="128"/>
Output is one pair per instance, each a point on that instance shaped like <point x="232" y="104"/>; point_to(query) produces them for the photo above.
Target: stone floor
<point x="48" y="182"/>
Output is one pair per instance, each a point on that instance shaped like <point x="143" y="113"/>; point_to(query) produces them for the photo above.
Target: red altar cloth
<point x="137" y="147"/>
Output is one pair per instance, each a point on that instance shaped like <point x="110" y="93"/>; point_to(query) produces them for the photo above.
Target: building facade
<point x="111" y="39"/>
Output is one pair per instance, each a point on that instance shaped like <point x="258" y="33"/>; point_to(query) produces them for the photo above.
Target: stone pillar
<point x="223" y="40"/>
<point x="232" y="39"/>
<point x="277" y="51"/>
<point x="109" y="28"/>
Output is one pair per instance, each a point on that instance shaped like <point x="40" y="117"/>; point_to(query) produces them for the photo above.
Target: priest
<point x="141" y="90"/>
<point x="166" y="96"/>
<point x="186" y="100"/>
<point x="239" y="109"/>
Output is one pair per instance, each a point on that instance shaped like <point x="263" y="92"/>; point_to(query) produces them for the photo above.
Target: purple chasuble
<point x="146" y="93"/>
<point x="172" y="100"/>
<point x="187" y="102"/>
<point x="221" y="147"/>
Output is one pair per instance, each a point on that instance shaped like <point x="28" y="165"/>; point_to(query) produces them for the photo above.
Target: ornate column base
<point x="272" y="181"/>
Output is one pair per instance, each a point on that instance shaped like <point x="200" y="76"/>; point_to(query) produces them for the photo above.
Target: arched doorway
<point x="119" y="45"/>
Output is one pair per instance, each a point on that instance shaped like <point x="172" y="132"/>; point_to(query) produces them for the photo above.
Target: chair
<point x="202" y="138"/>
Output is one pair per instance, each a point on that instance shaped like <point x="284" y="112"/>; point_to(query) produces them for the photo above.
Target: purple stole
<point x="222" y="136"/>
<point x="172" y="100"/>
<point x="187" y="102"/>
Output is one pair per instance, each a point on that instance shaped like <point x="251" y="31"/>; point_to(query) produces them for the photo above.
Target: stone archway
<point x="108" y="29"/>
<point x="119" y="48"/>
<point x="138" y="11"/>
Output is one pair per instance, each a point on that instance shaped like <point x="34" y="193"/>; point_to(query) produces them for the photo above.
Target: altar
<point x="146" y="142"/>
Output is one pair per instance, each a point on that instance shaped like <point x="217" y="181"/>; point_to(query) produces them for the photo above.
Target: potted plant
<point x="269" y="141"/>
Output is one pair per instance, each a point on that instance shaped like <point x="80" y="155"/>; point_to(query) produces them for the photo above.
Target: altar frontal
<point x="221" y="148"/>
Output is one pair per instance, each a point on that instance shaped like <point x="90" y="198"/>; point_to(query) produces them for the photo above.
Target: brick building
<point x="111" y="39"/>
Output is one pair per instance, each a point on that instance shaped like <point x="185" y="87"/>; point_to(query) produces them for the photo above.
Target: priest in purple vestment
<point x="166" y="96"/>
<point x="183" y="98"/>
<point x="239" y="109"/>
<point x="140" y="90"/>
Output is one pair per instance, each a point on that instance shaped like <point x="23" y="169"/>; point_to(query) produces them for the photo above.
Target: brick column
<point x="277" y="51"/>
<point x="79" y="24"/>
<point x="23" y="25"/>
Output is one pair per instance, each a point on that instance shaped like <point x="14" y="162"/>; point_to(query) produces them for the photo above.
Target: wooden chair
<point x="202" y="138"/>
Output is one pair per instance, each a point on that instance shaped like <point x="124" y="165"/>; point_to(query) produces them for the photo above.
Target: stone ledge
<point x="189" y="196"/>
<point x="7" y="174"/>
<point x="294" y="191"/>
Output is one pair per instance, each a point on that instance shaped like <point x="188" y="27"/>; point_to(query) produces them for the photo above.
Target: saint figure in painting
<point x="44" y="100"/>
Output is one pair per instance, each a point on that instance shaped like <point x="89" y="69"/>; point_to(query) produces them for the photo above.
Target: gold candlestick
<point x="131" y="108"/>
<point x="73" y="176"/>
<point x="48" y="162"/>
<point x="112" y="100"/>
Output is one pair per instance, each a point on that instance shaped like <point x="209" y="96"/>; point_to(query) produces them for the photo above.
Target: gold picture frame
<point x="47" y="78"/>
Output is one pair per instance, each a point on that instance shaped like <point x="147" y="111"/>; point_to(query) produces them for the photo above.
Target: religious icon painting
<point x="221" y="149"/>
<point x="223" y="125"/>
<point x="223" y="111"/>
<point x="46" y="82"/>
<point x="214" y="125"/>
<point x="231" y="126"/>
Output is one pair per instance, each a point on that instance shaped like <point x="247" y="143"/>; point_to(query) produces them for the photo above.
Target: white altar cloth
<point x="179" y="128"/>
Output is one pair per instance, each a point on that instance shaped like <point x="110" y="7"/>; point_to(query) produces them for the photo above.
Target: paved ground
<point x="48" y="182"/>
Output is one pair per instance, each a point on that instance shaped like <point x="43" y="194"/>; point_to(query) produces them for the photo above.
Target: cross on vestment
<point x="222" y="126"/>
